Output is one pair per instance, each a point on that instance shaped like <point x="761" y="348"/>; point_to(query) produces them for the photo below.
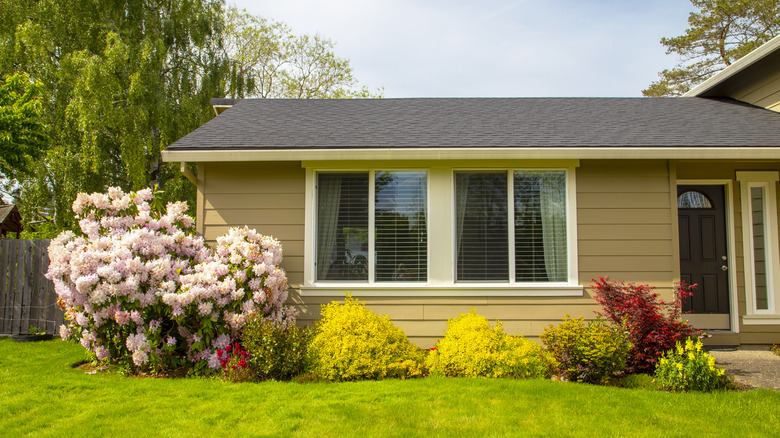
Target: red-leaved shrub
<point x="653" y="325"/>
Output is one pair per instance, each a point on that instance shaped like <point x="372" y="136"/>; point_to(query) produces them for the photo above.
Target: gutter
<point x="666" y="153"/>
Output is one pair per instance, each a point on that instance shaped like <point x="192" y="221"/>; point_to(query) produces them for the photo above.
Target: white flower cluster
<point x="145" y="277"/>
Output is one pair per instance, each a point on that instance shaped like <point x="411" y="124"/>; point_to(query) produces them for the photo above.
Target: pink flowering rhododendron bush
<point x="139" y="287"/>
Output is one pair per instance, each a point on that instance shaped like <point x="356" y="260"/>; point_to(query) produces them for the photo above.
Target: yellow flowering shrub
<point x="351" y="342"/>
<point x="592" y="352"/>
<point x="471" y="348"/>
<point x="688" y="367"/>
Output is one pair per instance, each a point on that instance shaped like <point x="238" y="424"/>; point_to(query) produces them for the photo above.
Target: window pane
<point x="401" y="226"/>
<point x="540" y="226"/>
<point x="481" y="228"/>
<point x="693" y="199"/>
<point x="342" y="226"/>
<point x="759" y="252"/>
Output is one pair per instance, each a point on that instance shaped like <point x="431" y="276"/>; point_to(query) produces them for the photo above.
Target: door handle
<point x="724" y="268"/>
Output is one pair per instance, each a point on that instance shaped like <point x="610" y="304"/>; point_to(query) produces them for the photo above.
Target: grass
<point x="42" y="394"/>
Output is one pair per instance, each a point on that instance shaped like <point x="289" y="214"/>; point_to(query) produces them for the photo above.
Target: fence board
<point x="18" y="273"/>
<point x="4" y="251"/>
<point x="27" y="301"/>
<point x="27" y="298"/>
<point x="36" y="300"/>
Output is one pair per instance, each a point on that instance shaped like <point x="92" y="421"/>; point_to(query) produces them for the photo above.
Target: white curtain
<point x="462" y="198"/>
<point x="552" y="194"/>
<point x="328" y="205"/>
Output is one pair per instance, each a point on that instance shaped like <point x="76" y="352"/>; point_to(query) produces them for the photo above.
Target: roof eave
<point x="531" y="153"/>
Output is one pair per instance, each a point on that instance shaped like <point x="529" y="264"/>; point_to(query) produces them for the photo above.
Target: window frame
<point x="371" y="175"/>
<point x="441" y="242"/>
<point x="571" y="227"/>
<point x="766" y="180"/>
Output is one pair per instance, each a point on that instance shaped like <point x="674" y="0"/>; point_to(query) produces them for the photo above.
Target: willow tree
<point x="120" y="81"/>
<point x="720" y="32"/>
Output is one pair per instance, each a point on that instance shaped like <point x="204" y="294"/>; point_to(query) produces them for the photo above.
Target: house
<point x="426" y="208"/>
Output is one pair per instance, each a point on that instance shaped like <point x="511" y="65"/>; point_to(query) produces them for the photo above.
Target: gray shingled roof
<point x="485" y="122"/>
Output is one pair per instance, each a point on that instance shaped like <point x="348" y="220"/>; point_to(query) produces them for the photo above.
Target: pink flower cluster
<point x="140" y="286"/>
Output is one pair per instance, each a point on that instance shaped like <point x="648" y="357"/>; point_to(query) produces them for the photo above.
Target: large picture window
<point x="393" y="206"/>
<point x="533" y="248"/>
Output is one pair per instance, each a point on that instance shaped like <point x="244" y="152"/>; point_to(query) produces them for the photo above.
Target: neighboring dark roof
<point x="485" y="122"/>
<point x="10" y="219"/>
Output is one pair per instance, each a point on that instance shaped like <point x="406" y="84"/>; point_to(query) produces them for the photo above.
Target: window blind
<point x="540" y="226"/>
<point x="342" y="226"/>
<point x="400" y="219"/>
<point x="481" y="226"/>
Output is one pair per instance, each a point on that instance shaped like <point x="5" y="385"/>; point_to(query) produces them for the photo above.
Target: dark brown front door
<point x="703" y="252"/>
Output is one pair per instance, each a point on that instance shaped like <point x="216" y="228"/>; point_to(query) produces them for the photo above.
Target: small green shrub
<point x="592" y="352"/>
<point x="472" y="348"/>
<point x="277" y="350"/>
<point x="351" y="342"/>
<point x="690" y="368"/>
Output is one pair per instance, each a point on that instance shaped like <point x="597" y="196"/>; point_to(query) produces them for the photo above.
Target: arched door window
<point x="693" y="199"/>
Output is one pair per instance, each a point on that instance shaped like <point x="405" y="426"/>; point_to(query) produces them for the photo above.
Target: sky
<point x="492" y="48"/>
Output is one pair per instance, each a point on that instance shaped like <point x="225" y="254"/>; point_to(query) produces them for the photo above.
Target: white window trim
<point x="768" y="181"/>
<point x="440" y="238"/>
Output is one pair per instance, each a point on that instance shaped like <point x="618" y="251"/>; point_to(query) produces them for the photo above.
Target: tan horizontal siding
<point x="624" y="200"/>
<point x="764" y="93"/>
<point x="265" y="196"/>
<point x="619" y="216"/>
<point x="254" y="215"/>
<point x="625" y="247"/>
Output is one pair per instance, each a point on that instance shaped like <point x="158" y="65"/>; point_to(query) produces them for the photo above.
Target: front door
<point x="703" y="254"/>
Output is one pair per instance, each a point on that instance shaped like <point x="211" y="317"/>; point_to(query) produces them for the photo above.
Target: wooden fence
<point x="27" y="298"/>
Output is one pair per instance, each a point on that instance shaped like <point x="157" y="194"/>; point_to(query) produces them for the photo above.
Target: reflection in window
<point x="342" y="226"/>
<point x="693" y="199"/>
<point x="399" y="237"/>
<point x="759" y="247"/>
<point x="400" y="221"/>
<point x="538" y="230"/>
<point x="482" y="232"/>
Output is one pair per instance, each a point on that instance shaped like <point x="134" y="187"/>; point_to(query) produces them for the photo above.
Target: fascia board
<point x="730" y="153"/>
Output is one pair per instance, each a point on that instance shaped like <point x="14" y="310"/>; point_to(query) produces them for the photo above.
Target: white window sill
<point x="451" y="290"/>
<point x="761" y="319"/>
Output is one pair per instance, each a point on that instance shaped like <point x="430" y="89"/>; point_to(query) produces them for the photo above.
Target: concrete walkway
<point x="752" y="368"/>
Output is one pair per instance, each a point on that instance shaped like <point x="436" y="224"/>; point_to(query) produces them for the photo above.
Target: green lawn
<point x="42" y="394"/>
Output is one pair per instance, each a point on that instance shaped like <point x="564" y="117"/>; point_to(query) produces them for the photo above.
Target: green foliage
<point x="593" y="352"/>
<point x="720" y="32"/>
<point x="690" y="368"/>
<point x="120" y="81"/>
<point x="22" y="128"/>
<point x="277" y="351"/>
<point x="268" y="61"/>
<point x="351" y="342"/>
<point x="471" y="348"/>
